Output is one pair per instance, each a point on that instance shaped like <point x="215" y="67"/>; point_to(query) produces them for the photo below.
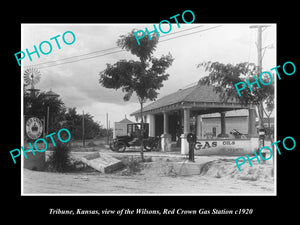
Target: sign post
<point x="34" y="129"/>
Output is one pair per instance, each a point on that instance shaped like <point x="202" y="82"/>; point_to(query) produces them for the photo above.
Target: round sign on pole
<point x="34" y="128"/>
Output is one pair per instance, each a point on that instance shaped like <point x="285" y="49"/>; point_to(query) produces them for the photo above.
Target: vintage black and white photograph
<point x="171" y="108"/>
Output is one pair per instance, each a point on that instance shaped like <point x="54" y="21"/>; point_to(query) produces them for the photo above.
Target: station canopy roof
<point x="201" y="98"/>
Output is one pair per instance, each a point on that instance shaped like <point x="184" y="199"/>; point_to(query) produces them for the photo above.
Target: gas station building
<point x="173" y="116"/>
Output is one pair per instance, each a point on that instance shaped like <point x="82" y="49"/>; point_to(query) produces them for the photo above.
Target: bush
<point x="59" y="161"/>
<point x="169" y="170"/>
<point x="132" y="167"/>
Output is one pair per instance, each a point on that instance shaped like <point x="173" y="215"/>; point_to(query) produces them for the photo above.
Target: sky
<point x="77" y="83"/>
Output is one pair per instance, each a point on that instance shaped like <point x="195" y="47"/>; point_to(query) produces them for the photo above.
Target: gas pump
<point x="191" y="139"/>
<point x="261" y="139"/>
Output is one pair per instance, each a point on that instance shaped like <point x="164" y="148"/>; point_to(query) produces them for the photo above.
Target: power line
<point x="110" y="49"/>
<point x="103" y="50"/>
<point x="190" y="33"/>
<point x="115" y="48"/>
<point x="91" y="53"/>
<point x="181" y="31"/>
<point x="81" y="59"/>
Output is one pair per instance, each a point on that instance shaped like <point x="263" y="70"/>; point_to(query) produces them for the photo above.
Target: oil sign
<point x="34" y="128"/>
<point x="222" y="147"/>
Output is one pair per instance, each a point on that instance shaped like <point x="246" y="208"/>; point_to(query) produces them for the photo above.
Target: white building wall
<point x="238" y="123"/>
<point x="120" y="129"/>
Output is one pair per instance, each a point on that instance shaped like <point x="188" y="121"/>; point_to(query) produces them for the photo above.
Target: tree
<point x="143" y="77"/>
<point x="73" y="122"/>
<point x="91" y="127"/>
<point x="36" y="105"/>
<point x="223" y="78"/>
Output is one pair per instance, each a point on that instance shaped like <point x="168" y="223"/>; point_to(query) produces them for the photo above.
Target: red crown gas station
<point x="174" y="116"/>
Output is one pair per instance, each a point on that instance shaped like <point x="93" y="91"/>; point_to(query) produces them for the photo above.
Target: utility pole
<point x="259" y="71"/>
<point x="83" y="139"/>
<point x="108" y="130"/>
<point x="107" y="133"/>
<point x="47" y="120"/>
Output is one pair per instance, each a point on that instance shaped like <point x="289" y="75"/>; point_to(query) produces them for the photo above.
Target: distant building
<point x="51" y="95"/>
<point x="120" y="127"/>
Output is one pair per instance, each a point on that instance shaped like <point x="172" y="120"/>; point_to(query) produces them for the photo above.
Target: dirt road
<point x="217" y="180"/>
